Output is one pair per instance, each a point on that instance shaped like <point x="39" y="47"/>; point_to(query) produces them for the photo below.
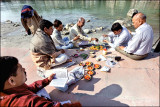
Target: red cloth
<point x="24" y="95"/>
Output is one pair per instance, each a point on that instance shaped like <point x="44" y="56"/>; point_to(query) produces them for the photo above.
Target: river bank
<point x="13" y="34"/>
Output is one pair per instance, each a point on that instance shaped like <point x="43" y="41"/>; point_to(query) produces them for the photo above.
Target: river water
<point x="100" y="12"/>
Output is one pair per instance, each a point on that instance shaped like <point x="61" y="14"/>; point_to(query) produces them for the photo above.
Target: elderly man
<point x="76" y="30"/>
<point x="140" y="44"/>
<point x="15" y="93"/>
<point x="118" y="37"/>
<point x="43" y="51"/>
<point x="30" y="19"/>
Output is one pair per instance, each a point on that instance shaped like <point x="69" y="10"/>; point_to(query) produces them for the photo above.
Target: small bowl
<point x="82" y="64"/>
<point x="92" y="55"/>
<point x="90" y="72"/>
<point x="88" y="63"/>
<point x="90" y="67"/>
<point x="97" y="66"/>
<point x="75" y="55"/>
<point x="87" y="77"/>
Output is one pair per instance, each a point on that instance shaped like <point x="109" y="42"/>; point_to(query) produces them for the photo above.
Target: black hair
<point x="8" y="66"/>
<point x="57" y="23"/>
<point x="134" y="14"/>
<point x="116" y="27"/>
<point x="45" y="23"/>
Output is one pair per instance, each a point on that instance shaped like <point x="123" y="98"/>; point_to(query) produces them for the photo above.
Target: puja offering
<point x="75" y="55"/>
<point x="82" y="64"/>
<point x="92" y="52"/>
<point x="97" y="66"/>
<point x="87" y="77"/>
<point x="93" y="55"/>
<point x="90" y="72"/>
<point x="88" y="63"/>
<point x="90" y="67"/>
<point x="105" y="51"/>
<point x="96" y="47"/>
<point x="84" y="56"/>
<point x="81" y="49"/>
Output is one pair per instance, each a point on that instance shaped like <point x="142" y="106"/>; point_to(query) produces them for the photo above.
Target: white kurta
<point x="77" y="31"/>
<point x="119" y="40"/>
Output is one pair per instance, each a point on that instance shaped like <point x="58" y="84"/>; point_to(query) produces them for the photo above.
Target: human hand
<point x="51" y="77"/>
<point x="105" y="35"/>
<point x="76" y="38"/>
<point x="62" y="51"/>
<point x="121" y="47"/>
<point x="105" y="41"/>
<point x="129" y="31"/>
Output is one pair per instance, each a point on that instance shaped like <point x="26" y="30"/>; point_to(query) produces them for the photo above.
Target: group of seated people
<point x="47" y="49"/>
<point x="47" y="45"/>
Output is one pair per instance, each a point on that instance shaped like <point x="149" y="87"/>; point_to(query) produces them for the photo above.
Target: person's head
<point x="134" y="14"/>
<point x="12" y="74"/>
<point x="46" y="26"/>
<point x="27" y="12"/>
<point x="138" y="19"/>
<point x="58" y="25"/>
<point x="116" y="28"/>
<point x="81" y="22"/>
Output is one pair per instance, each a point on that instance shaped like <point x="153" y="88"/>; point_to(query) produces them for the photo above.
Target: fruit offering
<point x="88" y="63"/>
<point x="96" y="48"/>
<point x="90" y="72"/>
<point x="82" y="64"/>
<point x="87" y="77"/>
<point x="97" y="66"/>
<point x="90" y="68"/>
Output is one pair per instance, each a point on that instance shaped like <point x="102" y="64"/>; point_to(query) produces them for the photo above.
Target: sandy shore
<point x="15" y="36"/>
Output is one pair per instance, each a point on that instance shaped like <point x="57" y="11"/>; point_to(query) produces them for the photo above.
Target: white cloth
<point x="141" y="42"/>
<point x="77" y="31"/>
<point x="121" y="39"/>
<point x="57" y="38"/>
<point x="62" y="58"/>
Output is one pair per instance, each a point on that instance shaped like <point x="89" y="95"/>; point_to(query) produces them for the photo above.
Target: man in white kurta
<point x="77" y="30"/>
<point x="119" y="36"/>
<point x="60" y="43"/>
<point x="141" y="43"/>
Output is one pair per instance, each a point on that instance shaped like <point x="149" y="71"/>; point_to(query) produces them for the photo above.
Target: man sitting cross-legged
<point x="43" y="51"/>
<point x="119" y="36"/>
<point x="77" y="30"/>
<point x="57" y="38"/>
<point x="140" y="45"/>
